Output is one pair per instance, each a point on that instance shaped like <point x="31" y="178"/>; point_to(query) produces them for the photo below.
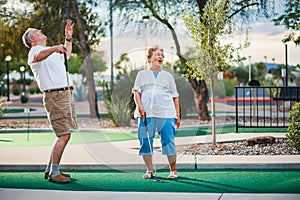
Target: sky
<point x="264" y="37"/>
<point x="265" y="41"/>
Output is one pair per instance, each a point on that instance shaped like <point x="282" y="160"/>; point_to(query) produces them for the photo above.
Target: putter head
<point x="158" y="180"/>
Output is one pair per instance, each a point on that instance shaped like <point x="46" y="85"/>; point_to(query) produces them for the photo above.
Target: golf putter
<point x="152" y="153"/>
<point x="69" y="92"/>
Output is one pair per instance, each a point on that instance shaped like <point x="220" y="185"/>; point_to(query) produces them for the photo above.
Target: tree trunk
<point x="88" y="66"/>
<point x="201" y="98"/>
<point x="91" y="87"/>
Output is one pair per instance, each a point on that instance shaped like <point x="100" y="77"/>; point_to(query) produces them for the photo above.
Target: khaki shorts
<point x="57" y="105"/>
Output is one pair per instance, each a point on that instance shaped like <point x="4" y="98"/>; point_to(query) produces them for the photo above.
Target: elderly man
<point x="47" y="65"/>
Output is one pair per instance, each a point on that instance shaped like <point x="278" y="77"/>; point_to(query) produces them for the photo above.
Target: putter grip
<point x="145" y="120"/>
<point x="66" y="62"/>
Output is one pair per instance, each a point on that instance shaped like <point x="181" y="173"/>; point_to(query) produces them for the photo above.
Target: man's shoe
<point x="60" y="179"/>
<point x="47" y="176"/>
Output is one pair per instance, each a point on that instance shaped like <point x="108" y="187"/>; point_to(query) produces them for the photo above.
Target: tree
<point x="123" y="65"/>
<point x="276" y="73"/>
<point x="98" y="60"/>
<point x="168" y="13"/>
<point x="87" y="32"/>
<point x="241" y="73"/>
<point x="262" y="70"/>
<point x="10" y="34"/>
<point x="290" y="19"/>
<point x="213" y="56"/>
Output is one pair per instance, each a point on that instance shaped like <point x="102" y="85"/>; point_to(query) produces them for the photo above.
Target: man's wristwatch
<point x="69" y="39"/>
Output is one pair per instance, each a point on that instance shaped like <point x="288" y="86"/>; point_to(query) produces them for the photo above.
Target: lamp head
<point x="8" y="58"/>
<point x="22" y="68"/>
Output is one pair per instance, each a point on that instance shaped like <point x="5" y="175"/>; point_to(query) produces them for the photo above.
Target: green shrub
<point x="16" y="91"/>
<point x="3" y="91"/>
<point x="293" y="132"/>
<point x="229" y="87"/>
<point x="37" y="90"/>
<point x="186" y="96"/>
<point x="24" y="99"/>
<point x="119" y="109"/>
<point x="31" y="90"/>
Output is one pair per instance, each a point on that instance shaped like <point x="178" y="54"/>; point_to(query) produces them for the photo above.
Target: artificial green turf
<point x="224" y="130"/>
<point x="15" y="110"/>
<point x="206" y="181"/>
<point x="47" y="138"/>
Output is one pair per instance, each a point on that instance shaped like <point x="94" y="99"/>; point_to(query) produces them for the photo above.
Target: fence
<point x="261" y="107"/>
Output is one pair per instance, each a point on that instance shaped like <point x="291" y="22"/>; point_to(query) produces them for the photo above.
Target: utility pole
<point x="111" y="45"/>
<point x="286" y="66"/>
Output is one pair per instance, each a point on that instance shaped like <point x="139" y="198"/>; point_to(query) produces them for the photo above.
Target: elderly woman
<point x="157" y="109"/>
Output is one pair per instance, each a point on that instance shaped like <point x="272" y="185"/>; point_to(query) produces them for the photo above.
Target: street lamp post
<point x="111" y="45"/>
<point x="22" y="69"/>
<point x="145" y="20"/>
<point x="283" y="75"/>
<point x="7" y="59"/>
<point x="286" y="67"/>
<point x="249" y="68"/>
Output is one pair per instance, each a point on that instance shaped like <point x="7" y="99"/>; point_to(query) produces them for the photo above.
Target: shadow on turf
<point x="203" y="183"/>
<point x="81" y="187"/>
<point x="6" y="140"/>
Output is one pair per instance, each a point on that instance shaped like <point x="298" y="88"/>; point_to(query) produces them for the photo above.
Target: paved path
<point x="20" y="194"/>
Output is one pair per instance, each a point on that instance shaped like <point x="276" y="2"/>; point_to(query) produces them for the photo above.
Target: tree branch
<point x="165" y="22"/>
<point x="242" y="8"/>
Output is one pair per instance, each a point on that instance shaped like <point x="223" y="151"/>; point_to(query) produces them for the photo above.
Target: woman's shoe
<point x="173" y="175"/>
<point x="148" y="175"/>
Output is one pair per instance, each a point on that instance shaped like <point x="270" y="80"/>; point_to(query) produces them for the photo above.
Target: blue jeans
<point x="166" y="130"/>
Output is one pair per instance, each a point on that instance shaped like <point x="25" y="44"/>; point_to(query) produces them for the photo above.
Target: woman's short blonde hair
<point x="152" y="49"/>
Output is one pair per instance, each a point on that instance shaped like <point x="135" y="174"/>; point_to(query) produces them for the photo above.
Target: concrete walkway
<point x="20" y="194"/>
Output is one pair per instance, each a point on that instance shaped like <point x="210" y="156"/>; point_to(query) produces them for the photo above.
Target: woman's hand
<point x="142" y="113"/>
<point x="177" y="123"/>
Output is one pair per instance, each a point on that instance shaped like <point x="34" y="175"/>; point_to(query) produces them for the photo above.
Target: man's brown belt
<point x="59" y="89"/>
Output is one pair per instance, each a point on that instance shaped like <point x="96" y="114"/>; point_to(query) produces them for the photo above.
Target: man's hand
<point x="69" y="29"/>
<point x="59" y="49"/>
<point x="43" y="54"/>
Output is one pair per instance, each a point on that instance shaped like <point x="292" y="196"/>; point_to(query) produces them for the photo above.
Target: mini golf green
<point x="47" y="138"/>
<point x="206" y="181"/>
<point x="31" y="139"/>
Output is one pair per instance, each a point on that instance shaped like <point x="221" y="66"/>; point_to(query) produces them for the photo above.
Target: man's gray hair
<point x="26" y="38"/>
